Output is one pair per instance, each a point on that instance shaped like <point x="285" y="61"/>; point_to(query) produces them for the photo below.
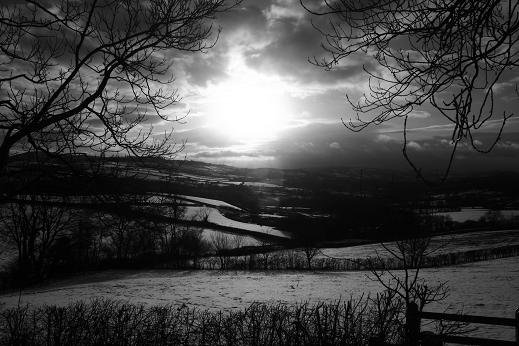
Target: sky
<point x="255" y="100"/>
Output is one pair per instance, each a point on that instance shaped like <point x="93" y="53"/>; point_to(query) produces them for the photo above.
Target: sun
<point x="249" y="107"/>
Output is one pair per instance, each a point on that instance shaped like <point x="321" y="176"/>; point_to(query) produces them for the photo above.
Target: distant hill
<point x="141" y="175"/>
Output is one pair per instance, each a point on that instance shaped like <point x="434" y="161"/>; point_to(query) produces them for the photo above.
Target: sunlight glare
<point x="250" y="107"/>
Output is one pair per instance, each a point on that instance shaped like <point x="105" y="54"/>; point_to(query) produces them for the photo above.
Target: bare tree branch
<point x="90" y="75"/>
<point x="448" y="54"/>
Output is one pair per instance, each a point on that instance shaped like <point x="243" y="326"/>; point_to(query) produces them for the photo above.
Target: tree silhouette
<point x="33" y="227"/>
<point x="90" y="75"/>
<point x="448" y="54"/>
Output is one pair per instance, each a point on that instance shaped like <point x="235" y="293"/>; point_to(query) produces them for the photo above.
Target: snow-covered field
<point x="256" y="184"/>
<point x="475" y="214"/>
<point x="225" y="181"/>
<point x="190" y="200"/>
<point x="233" y="240"/>
<point x="488" y="288"/>
<point x="209" y="201"/>
<point x="442" y="244"/>
<point x="214" y="216"/>
<point x="196" y="208"/>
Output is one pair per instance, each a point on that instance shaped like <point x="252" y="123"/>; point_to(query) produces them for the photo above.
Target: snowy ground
<point x="209" y="201"/>
<point x="488" y="288"/>
<point x="209" y="236"/>
<point x="442" y="244"/>
<point x="475" y="214"/>
<point x="214" y="216"/>
<point x="209" y="208"/>
<point x="225" y="181"/>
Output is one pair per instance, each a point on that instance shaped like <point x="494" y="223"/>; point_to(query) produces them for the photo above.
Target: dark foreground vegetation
<point x="105" y="322"/>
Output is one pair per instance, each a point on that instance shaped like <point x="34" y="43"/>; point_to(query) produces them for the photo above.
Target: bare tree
<point x="193" y="244"/>
<point x="266" y="253"/>
<point x="202" y="215"/>
<point x="33" y="227"/>
<point x="310" y="252"/>
<point x="237" y="241"/>
<point x="118" y="232"/>
<point x="448" y="54"/>
<point x="88" y="75"/>
<point x="308" y="240"/>
<point x="220" y="243"/>
<point x="406" y="283"/>
<point x="171" y="232"/>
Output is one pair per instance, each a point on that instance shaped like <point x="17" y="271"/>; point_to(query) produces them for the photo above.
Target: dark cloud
<point x="294" y="43"/>
<point x="205" y="68"/>
<point x="271" y="43"/>
<point x="201" y="69"/>
<point x="249" y="16"/>
<point x="298" y="39"/>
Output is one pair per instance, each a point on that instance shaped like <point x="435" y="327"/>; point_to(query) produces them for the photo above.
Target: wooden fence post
<point x="412" y="324"/>
<point x="375" y="341"/>
<point x="517" y="326"/>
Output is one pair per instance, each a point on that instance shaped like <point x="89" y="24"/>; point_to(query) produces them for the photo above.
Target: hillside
<point x="325" y="204"/>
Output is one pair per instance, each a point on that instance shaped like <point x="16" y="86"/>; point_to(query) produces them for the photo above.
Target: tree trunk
<point x="4" y="155"/>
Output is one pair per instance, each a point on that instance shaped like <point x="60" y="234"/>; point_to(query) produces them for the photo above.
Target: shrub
<point x="110" y="322"/>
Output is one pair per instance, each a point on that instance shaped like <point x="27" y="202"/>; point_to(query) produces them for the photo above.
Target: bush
<point x="110" y="322"/>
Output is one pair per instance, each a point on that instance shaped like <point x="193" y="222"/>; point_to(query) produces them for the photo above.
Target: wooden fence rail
<point x="414" y="317"/>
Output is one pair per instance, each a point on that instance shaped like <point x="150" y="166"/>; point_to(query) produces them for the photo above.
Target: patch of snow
<point x="442" y="244"/>
<point x="272" y="215"/>
<point x="159" y="199"/>
<point x="214" y="216"/>
<point x="209" y="201"/>
<point x="474" y="214"/>
<point x="209" y="234"/>
<point x="255" y="184"/>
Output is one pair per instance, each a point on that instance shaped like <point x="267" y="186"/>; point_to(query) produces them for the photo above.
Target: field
<point x="441" y="244"/>
<point x="465" y="214"/>
<point x="281" y="211"/>
<point x="489" y="288"/>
